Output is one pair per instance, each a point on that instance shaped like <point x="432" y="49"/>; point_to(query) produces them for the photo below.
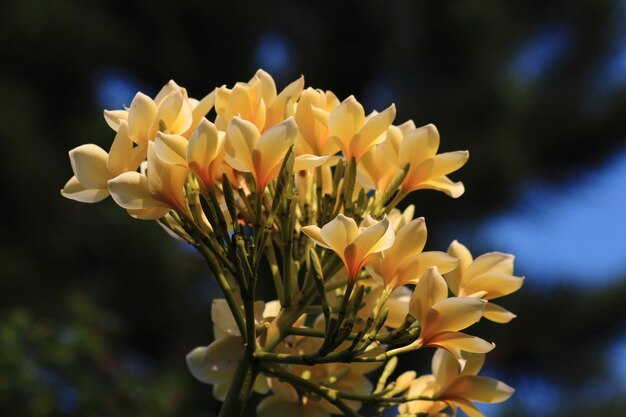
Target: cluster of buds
<point x="298" y="190"/>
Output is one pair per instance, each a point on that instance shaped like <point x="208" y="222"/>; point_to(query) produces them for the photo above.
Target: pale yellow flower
<point x="314" y="137"/>
<point x="171" y="111"/>
<point x="247" y="150"/>
<point x="489" y="276"/>
<point x="153" y="195"/>
<point x="428" y="170"/>
<point x="455" y="383"/>
<point x="354" y="245"/>
<point x="216" y="363"/>
<point x="257" y="102"/>
<point x="399" y="219"/>
<point x="352" y="131"/>
<point x="441" y="317"/>
<point x="93" y="167"/>
<point x="404" y="262"/>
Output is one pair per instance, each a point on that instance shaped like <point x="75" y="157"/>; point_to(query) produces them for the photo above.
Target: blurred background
<point x="98" y="310"/>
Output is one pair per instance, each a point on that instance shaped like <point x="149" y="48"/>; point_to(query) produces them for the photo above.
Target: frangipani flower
<point x="455" y="383"/>
<point x="354" y="245"/>
<point x="171" y="112"/>
<point x="93" y="167"/>
<point x="153" y="196"/>
<point x="314" y="138"/>
<point x="489" y="276"/>
<point x="216" y="364"/>
<point x="441" y="317"/>
<point x="352" y="131"/>
<point x="247" y="150"/>
<point x="375" y="171"/>
<point x="257" y="102"/>
<point x="427" y="170"/>
<point x="404" y="262"/>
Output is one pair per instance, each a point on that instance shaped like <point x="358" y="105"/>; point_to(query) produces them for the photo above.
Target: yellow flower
<point x="354" y="245"/>
<point x="257" y="102"/>
<point x="247" y="150"/>
<point x="312" y="106"/>
<point x="441" y="317"/>
<point x="375" y="170"/>
<point x="216" y="363"/>
<point x="404" y="262"/>
<point x="418" y="147"/>
<point x="171" y="111"/>
<point x="489" y="276"/>
<point x="153" y="196"/>
<point x="93" y="167"/>
<point x="352" y="131"/>
<point x="455" y="384"/>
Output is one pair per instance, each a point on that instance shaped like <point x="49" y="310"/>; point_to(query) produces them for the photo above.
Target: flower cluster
<point x="298" y="189"/>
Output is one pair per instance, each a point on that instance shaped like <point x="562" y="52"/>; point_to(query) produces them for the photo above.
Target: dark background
<point x="98" y="310"/>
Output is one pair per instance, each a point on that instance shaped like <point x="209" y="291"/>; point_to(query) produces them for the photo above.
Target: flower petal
<point x="339" y="233"/>
<point x="479" y="388"/>
<point x="372" y="132"/>
<point x="453" y="314"/>
<point x="344" y="121"/>
<point x="430" y="289"/>
<point x="496" y="284"/>
<point x="498" y="314"/>
<point x="213" y="363"/>
<point x="141" y="115"/>
<point x="454" y="342"/>
<point x="75" y="191"/>
<point x="454" y="278"/>
<point x="130" y="191"/>
<point x="89" y="163"/>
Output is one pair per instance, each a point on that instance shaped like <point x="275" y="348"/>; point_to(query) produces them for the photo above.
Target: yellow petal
<point x="114" y="117"/>
<point x="443" y="184"/>
<point x="75" y="191"/>
<point x="204" y="151"/>
<point x="166" y="90"/>
<point x="209" y="364"/>
<point x="453" y="342"/>
<point x="141" y="115"/>
<point x="412" y="268"/>
<point x="468" y="408"/>
<point x="410" y="240"/>
<point x="404" y="381"/>
<point x="479" y="388"/>
<point x="121" y="153"/>
<point x="274" y="406"/>
<point x="153" y="213"/>
<point x="130" y="191"/>
<point x="454" y="314"/>
<point x="271" y="149"/>
<point x="171" y="149"/>
<point x="166" y="182"/>
<point x="448" y="162"/>
<point x="345" y="121"/>
<point x="200" y="110"/>
<point x="374" y="239"/>
<point x="498" y="314"/>
<point x="239" y="142"/>
<point x="89" y="163"/>
<point x="430" y="289"/>
<point x="267" y="87"/>
<point x="284" y="104"/>
<point x="303" y="162"/>
<point x="454" y="278"/>
<point x="419" y="145"/>
<point x="496" y="284"/>
<point x="473" y="363"/>
<point x="223" y="320"/>
<point x="490" y="262"/>
<point x="398" y="305"/>
<point x="372" y="132"/>
<point x="446" y="368"/>
<point x="314" y="233"/>
<point x="339" y="233"/>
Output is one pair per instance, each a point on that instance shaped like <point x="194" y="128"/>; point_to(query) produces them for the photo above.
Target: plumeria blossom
<point x="354" y="245"/>
<point x="441" y="317"/>
<point x="257" y="102"/>
<point x="489" y="276"/>
<point x="151" y="196"/>
<point x="352" y="131"/>
<point x="216" y="363"/>
<point x="314" y="137"/>
<point x="93" y="167"/>
<point x="428" y="170"/>
<point x="171" y="111"/>
<point x="404" y="262"/>
<point x="455" y="383"/>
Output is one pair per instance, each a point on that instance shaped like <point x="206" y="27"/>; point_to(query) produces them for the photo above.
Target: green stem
<point x="240" y="387"/>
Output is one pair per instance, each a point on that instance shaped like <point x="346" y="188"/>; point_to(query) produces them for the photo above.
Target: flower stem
<point x="240" y="388"/>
